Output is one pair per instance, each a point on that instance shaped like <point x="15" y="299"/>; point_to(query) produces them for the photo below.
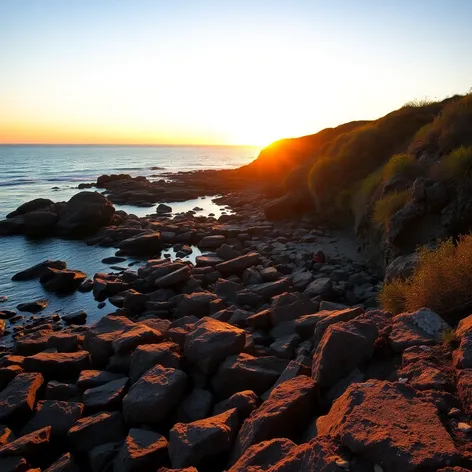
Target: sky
<point x="220" y="72"/>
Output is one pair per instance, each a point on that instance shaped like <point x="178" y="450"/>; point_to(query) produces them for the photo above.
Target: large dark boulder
<point x="85" y="213"/>
<point x="33" y="205"/>
<point x="147" y="244"/>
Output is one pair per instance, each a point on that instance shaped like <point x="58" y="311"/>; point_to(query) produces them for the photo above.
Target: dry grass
<point x="388" y="205"/>
<point x="457" y="165"/>
<point x="441" y="281"/>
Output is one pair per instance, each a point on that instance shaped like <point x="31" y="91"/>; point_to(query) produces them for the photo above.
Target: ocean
<point x="28" y="172"/>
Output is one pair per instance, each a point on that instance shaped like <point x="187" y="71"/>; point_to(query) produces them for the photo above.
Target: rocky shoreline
<point x="248" y="359"/>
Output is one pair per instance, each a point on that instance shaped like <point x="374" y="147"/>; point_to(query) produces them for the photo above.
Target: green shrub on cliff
<point x="457" y="165"/>
<point x="388" y="205"/>
<point x="442" y="281"/>
<point x="403" y="165"/>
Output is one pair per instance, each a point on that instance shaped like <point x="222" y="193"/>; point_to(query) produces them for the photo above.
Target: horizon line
<point x="131" y="144"/>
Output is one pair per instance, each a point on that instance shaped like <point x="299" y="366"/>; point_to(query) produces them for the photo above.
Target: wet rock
<point x="246" y="372"/>
<point x="17" y="400"/>
<point x="147" y="356"/>
<point x="95" y="430"/>
<point x="59" y="415"/>
<point x="238" y="264"/>
<point x="211" y="341"/>
<point x="105" y="397"/>
<point x="84" y="214"/>
<point x="212" y="242"/>
<point x="193" y="443"/>
<point x="58" y="365"/>
<point x="64" y="342"/>
<point x="226" y="252"/>
<point x="113" y="260"/>
<point x="285" y="413"/>
<point x="416" y="328"/>
<point x="152" y="397"/>
<point x="29" y="445"/>
<point x="366" y="420"/>
<point x="148" y="244"/>
<point x="62" y="281"/>
<point x="162" y="208"/>
<point x="77" y="317"/>
<point x="36" y="271"/>
<point x="33" y="307"/>
<point x="142" y="451"/>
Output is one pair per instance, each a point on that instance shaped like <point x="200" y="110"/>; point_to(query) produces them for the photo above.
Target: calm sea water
<point x="28" y="172"/>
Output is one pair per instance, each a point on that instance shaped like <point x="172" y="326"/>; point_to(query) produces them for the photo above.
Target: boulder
<point x="268" y="290"/>
<point x="343" y="347"/>
<point x="196" y="406"/>
<point x="402" y="267"/>
<point x="95" y="378"/>
<point x="29" y="445"/>
<point x="33" y="205"/>
<point x="190" y="444"/>
<point x="58" y="365"/>
<point x="245" y="403"/>
<point x="65" y="463"/>
<point x="59" y="415"/>
<point x="390" y="425"/>
<point x="142" y="451"/>
<point x="163" y="209"/>
<point x="246" y="372"/>
<point x="17" y="400"/>
<point x="176" y="277"/>
<point x="130" y="340"/>
<point x="284" y="414"/>
<point x="238" y="264"/>
<point x="333" y="317"/>
<point x="322" y="287"/>
<point x="290" y="306"/>
<point x="212" y="242"/>
<point x="148" y="355"/>
<point x="33" y="307"/>
<point x="105" y="397"/>
<point x="85" y="213"/>
<point x="37" y="270"/>
<point x="147" y="244"/>
<point x="416" y="328"/>
<point x="211" y="341"/>
<point x="62" y="281"/>
<point x="263" y="456"/>
<point x="76" y="317"/>
<point x="95" y="430"/>
<point x="152" y="397"/>
<point x="196" y="304"/>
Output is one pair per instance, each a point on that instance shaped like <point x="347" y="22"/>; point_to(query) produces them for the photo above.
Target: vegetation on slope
<point x="442" y="281"/>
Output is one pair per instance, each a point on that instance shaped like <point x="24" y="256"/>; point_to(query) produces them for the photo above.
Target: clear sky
<point x="220" y="71"/>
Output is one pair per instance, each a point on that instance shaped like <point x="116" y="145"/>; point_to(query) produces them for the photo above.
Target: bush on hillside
<point x="442" y="281"/>
<point x="388" y="205"/>
<point x="450" y="129"/>
<point x="403" y="165"/>
<point x="457" y="165"/>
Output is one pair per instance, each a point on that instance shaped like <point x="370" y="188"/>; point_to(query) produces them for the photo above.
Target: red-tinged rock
<point x="17" y="400"/>
<point x="244" y="402"/>
<point x="333" y="317"/>
<point x="211" y="342"/>
<point x="95" y="430"/>
<point x="65" y="463"/>
<point x="343" y="347"/>
<point x="263" y="456"/>
<point x="390" y="425"/>
<point x="33" y="343"/>
<point x="6" y="435"/>
<point x="61" y="416"/>
<point x="464" y="389"/>
<point x="130" y="340"/>
<point x="246" y="372"/>
<point x="191" y="444"/>
<point x="142" y="451"/>
<point x="99" y="338"/>
<point x="238" y="264"/>
<point x="462" y="356"/>
<point x="147" y="244"/>
<point x="422" y="327"/>
<point x="58" y="365"/>
<point x="148" y="355"/>
<point x="29" y="445"/>
<point x="152" y="397"/>
<point x="285" y="413"/>
<point x="62" y="281"/>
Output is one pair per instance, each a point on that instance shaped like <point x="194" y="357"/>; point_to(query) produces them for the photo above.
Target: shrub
<point x="419" y="102"/>
<point x="388" y="205"/>
<point x="442" y="281"/>
<point x="403" y="164"/>
<point x="457" y="165"/>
